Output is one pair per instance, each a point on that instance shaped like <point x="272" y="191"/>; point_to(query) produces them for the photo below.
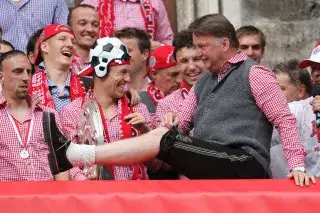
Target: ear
<point x="145" y="55"/>
<point x="225" y="44"/>
<point x="44" y="47"/>
<point x="302" y="91"/>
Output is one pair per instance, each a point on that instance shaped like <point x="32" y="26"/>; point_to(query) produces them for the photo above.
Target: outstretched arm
<point x="124" y="152"/>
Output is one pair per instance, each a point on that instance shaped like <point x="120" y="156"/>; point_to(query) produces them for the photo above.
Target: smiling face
<point x="15" y="76"/>
<point x="115" y="81"/>
<point x="189" y="64"/>
<point x="85" y="25"/>
<point x="59" y="49"/>
<point x="210" y="50"/>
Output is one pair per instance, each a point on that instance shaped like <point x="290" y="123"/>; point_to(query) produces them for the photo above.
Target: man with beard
<point x="23" y="151"/>
<point x="164" y="75"/>
<point x="84" y="22"/>
<point x="118" y="119"/>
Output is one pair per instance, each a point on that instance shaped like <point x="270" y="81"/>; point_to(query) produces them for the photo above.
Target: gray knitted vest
<point x="227" y="113"/>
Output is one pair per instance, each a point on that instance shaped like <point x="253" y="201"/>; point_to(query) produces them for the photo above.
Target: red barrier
<point x="258" y="196"/>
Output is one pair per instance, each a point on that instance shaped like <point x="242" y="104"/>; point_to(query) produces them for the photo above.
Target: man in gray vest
<point x="232" y="110"/>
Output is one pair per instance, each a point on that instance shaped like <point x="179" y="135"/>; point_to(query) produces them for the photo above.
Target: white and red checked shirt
<point x="78" y="64"/>
<point x="269" y="99"/>
<point x="12" y="166"/>
<point x="70" y="116"/>
<point x="127" y="14"/>
<point x="170" y="103"/>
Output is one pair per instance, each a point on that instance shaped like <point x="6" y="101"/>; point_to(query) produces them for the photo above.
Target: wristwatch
<point x="299" y="169"/>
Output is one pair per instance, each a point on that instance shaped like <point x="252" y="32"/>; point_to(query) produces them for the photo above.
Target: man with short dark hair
<point x="139" y="46"/>
<point x="23" y="151"/>
<point x="191" y="68"/>
<point x="293" y="81"/>
<point x="84" y="22"/>
<point x="252" y="41"/>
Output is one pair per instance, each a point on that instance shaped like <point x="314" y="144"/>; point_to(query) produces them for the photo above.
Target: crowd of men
<point x="194" y="105"/>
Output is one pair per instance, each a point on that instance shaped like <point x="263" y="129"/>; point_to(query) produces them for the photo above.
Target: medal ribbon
<point x="15" y="124"/>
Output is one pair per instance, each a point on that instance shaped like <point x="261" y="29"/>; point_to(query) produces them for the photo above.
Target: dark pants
<point x="198" y="159"/>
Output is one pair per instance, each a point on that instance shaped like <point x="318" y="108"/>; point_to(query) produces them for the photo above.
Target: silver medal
<point x="24" y="154"/>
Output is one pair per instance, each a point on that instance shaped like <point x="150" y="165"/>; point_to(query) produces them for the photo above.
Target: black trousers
<point x="198" y="159"/>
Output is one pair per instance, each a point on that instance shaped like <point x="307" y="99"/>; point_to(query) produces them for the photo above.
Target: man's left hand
<point x="138" y="121"/>
<point x="301" y="178"/>
<point x="133" y="97"/>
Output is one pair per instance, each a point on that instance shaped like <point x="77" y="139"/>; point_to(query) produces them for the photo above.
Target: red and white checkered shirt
<point x="269" y="99"/>
<point x="70" y="116"/>
<point x="127" y="14"/>
<point x="78" y="64"/>
<point x="36" y="166"/>
<point x="170" y="103"/>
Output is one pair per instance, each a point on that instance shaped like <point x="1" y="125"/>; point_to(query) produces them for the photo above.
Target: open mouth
<point x="67" y="53"/>
<point x="191" y="75"/>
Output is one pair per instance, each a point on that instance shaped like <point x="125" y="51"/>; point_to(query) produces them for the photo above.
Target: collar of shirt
<point x="34" y="103"/>
<point x="52" y="85"/>
<point x="114" y="114"/>
<point x="241" y="56"/>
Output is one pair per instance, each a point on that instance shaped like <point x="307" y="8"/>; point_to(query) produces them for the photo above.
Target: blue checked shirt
<point x="20" y="22"/>
<point x="60" y="101"/>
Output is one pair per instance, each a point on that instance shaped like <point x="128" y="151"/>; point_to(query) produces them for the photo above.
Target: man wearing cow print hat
<point x="110" y="68"/>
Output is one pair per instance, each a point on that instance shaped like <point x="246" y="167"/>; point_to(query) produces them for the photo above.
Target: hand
<point x="316" y="104"/>
<point x="133" y="97"/>
<point x="301" y="178"/>
<point x="170" y="119"/>
<point x="138" y="121"/>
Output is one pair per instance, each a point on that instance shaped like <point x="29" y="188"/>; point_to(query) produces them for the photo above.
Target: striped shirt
<point x="20" y="22"/>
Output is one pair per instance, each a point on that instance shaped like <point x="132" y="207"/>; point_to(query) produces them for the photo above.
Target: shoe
<point x="58" y="145"/>
<point x="169" y="139"/>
